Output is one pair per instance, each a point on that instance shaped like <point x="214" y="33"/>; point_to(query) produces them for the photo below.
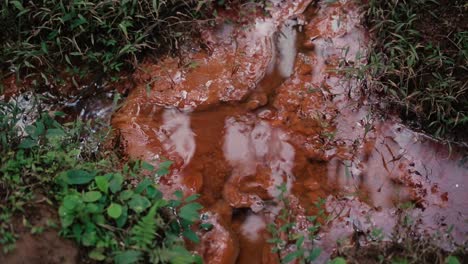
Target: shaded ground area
<point x="42" y="244"/>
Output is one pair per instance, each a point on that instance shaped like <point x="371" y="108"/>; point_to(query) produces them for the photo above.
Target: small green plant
<point x="123" y="222"/>
<point x="286" y="237"/>
<point x="109" y="209"/>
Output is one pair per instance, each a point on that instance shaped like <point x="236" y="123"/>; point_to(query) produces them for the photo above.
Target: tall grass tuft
<point x="419" y="60"/>
<point x="38" y="37"/>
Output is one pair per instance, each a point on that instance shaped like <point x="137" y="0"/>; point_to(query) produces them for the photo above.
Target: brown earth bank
<point x="42" y="247"/>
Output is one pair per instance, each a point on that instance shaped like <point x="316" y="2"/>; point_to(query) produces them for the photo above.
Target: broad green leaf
<point x="123" y="217"/>
<point x="190" y="235"/>
<point x="114" y="210"/>
<point x="18" y="5"/>
<point x="153" y="193"/>
<point x="102" y="183"/>
<point x="189" y="212"/>
<point x="71" y="201"/>
<point x="139" y="203"/>
<point x="146" y="166"/>
<point x="125" y="195"/>
<point x="206" y="226"/>
<point x="92" y="208"/>
<point x="143" y="185"/>
<point x="59" y="114"/>
<point x="66" y="217"/>
<point x="115" y="184"/>
<point x="127" y="257"/>
<point x="99" y="219"/>
<point x="55" y="132"/>
<point x="179" y="194"/>
<point x="78" y="177"/>
<point x="292" y="256"/>
<point x="27" y="143"/>
<point x="89" y="238"/>
<point x="91" y="196"/>
<point x="180" y="255"/>
<point x="163" y="168"/>
<point x="192" y="198"/>
<point x="452" y="260"/>
<point x="314" y="254"/>
<point x="96" y="255"/>
<point x="337" y="260"/>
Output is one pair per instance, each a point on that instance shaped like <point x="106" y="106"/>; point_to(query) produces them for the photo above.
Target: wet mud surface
<point x="262" y="103"/>
<point x="43" y="247"/>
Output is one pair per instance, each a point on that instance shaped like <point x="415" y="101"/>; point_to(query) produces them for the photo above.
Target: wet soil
<point x="264" y="104"/>
<point x="43" y="247"/>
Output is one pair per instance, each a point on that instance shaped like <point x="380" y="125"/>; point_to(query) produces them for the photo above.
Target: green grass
<point x="418" y="61"/>
<point x="89" y="37"/>
<point x="113" y="210"/>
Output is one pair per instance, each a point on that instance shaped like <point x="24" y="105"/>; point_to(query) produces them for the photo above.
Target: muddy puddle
<point x="260" y="103"/>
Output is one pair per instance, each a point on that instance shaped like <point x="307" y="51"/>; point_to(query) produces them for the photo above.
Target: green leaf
<point x="180" y="255"/>
<point x="189" y="212"/>
<point x="190" y="235"/>
<point x="114" y="210"/>
<point x="139" y="203"/>
<point x="179" y="194"/>
<point x="70" y="204"/>
<point x="123" y="217"/>
<point x="314" y="254"/>
<point x="206" y="226"/>
<point x="143" y="185"/>
<point x="146" y="166"/>
<point x="59" y="114"/>
<point x="91" y="196"/>
<point x="18" y="5"/>
<point x="99" y="219"/>
<point x="27" y="143"/>
<point x="78" y="177"/>
<point x="89" y="238"/>
<point x="115" y="184"/>
<point x="71" y="201"/>
<point x="163" y="168"/>
<point x="292" y="256"/>
<point x="452" y="260"/>
<point x="125" y="195"/>
<point x="192" y="198"/>
<point x="96" y="255"/>
<point x="55" y="132"/>
<point x="153" y="193"/>
<point x="92" y="208"/>
<point x="102" y="183"/>
<point x="127" y="257"/>
<point x="337" y="260"/>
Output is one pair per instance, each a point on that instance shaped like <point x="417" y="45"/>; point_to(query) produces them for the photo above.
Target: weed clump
<point x="90" y="36"/>
<point x="419" y="60"/>
<point x="106" y="207"/>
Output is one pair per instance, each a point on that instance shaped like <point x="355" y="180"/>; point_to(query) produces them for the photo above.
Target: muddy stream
<point x="260" y="103"/>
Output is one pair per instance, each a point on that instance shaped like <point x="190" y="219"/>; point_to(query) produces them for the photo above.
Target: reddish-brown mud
<point x="45" y="247"/>
<point x="263" y="105"/>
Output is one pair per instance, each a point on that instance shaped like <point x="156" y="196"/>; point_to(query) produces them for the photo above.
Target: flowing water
<point x="260" y="104"/>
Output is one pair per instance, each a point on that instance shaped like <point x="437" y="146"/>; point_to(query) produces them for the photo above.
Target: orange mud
<point x="262" y="105"/>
